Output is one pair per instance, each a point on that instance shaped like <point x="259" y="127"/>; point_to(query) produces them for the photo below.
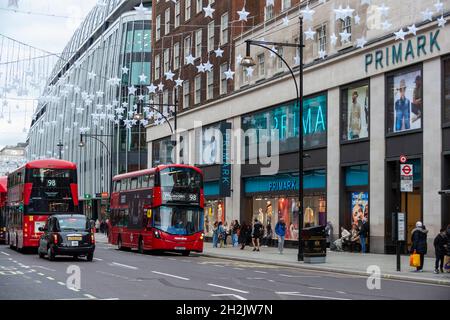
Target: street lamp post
<point x="248" y="61"/>
<point x="94" y="136"/>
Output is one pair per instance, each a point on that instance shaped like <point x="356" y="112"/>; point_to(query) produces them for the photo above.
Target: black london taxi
<point x="67" y="235"/>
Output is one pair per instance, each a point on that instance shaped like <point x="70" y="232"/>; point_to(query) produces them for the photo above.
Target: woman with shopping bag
<point x="419" y="245"/>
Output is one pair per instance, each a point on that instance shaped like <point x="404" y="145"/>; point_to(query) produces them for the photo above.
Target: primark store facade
<point x="84" y="91"/>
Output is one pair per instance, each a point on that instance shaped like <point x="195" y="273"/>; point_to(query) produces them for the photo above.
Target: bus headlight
<point x="201" y="236"/>
<point x="157" y="234"/>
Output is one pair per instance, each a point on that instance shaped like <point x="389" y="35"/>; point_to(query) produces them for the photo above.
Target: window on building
<point x="224" y="29"/>
<point x="355" y="112"/>
<point x="199" y="6"/>
<point x="157" y="67"/>
<point x="446" y="93"/>
<point x="346" y="25"/>
<point x="167" y="21"/>
<point x="177" y="14"/>
<point x="198" y="89"/>
<point x="198" y="43"/>
<point x="187" y="46"/>
<point x="280" y="63"/>
<point x="268" y="12"/>
<point x="223" y="79"/>
<point x="210" y="84"/>
<point x="165" y="98"/>
<point x="285" y="4"/>
<point x="166" y="61"/>
<point x="187" y="10"/>
<point x="158" y="28"/>
<point x="321" y="33"/>
<point x="211" y="36"/>
<point x="261" y="65"/>
<point x="176" y="56"/>
<point x="186" y="94"/>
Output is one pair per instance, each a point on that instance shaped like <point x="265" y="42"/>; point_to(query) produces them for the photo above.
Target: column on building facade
<point x="234" y="202"/>
<point x="377" y="164"/>
<point x="333" y="161"/>
<point x="432" y="148"/>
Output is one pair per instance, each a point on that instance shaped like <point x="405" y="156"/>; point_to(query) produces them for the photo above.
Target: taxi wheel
<point x="90" y="256"/>
<point x="75" y="257"/>
<point x="51" y="254"/>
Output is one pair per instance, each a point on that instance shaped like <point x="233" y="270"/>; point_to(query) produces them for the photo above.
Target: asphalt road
<point x="129" y="275"/>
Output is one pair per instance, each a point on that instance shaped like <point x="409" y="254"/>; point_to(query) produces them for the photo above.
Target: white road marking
<point x="89" y="296"/>
<point x="50" y="278"/>
<point x="124" y="266"/>
<point x="173" y="259"/>
<point x="37" y="281"/>
<point x="41" y="274"/>
<point x="309" y="296"/>
<point x="218" y="265"/>
<point x="315" y="288"/>
<point x="291" y="276"/>
<point x="171" y="275"/>
<point x="97" y="259"/>
<point x="227" y="288"/>
<point x="185" y="260"/>
<point x="260" y="271"/>
<point x="238" y="269"/>
<point x="73" y="289"/>
<point x="228" y="294"/>
<point x="61" y="283"/>
<point x="341" y="292"/>
<point x="113" y="275"/>
<point x="6" y="254"/>
<point x="45" y="268"/>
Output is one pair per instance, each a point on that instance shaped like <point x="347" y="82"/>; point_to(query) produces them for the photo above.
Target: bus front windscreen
<point x="178" y="220"/>
<point x="51" y="191"/>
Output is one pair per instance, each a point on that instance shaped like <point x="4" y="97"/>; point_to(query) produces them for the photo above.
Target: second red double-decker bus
<point x="158" y="209"/>
<point x="35" y="191"/>
<point x="3" y="194"/>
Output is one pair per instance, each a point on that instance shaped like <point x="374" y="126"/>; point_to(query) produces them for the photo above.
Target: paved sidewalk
<point x="341" y="262"/>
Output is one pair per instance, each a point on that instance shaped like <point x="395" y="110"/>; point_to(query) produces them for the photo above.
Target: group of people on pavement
<point x="350" y="239"/>
<point x="100" y="226"/>
<point x="221" y="232"/>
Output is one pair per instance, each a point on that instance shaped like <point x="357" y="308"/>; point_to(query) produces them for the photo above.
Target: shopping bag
<point x="447" y="263"/>
<point x="414" y="260"/>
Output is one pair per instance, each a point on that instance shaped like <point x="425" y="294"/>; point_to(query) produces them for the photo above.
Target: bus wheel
<point x="119" y="243"/>
<point x="51" y="254"/>
<point x="186" y="253"/>
<point x="141" y="246"/>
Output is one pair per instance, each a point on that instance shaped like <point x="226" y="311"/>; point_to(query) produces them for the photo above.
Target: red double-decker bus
<point x="3" y="194"/>
<point x="159" y="209"/>
<point x="35" y="191"/>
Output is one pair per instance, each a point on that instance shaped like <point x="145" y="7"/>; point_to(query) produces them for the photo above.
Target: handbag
<point x="414" y="259"/>
<point x="447" y="263"/>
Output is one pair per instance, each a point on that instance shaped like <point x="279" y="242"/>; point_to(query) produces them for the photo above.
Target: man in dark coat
<point x="440" y="244"/>
<point x="419" y="243"/>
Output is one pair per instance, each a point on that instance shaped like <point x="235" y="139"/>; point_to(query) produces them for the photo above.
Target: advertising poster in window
<point x="359" y="207"/>
<point x="405" y="104"/>
<point x="315" y="121"/>
<point x="355" y="113"/>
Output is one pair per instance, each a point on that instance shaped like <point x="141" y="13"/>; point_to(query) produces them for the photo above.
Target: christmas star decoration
<point x="152" y="88"/>
<point x="309" y="34"/>
<point x="340" y="13"/>
<point x="361" y="42"/>
<point x="141" y="9"/>
<point x="99" y="94"/>
<point x="243" y="14"/>
<point x="307" y="13"/>
<point x="219" y="52"/>
<point x="143" y="78"/>
<point x="141" y="97"/>
<point x="400" y="34"/>
<point x="91" y="75"/>
<point x="160" y="86"/>
<point x="297" y="59"/>
<point x="125" y="70"/>
<point x="322" y="54"/>
<point x="239" y="59"/>
<point x="209" y="11"/>
<point x="178" y="82"/>
<point x="125" y="104"/>
<point x="412" y="29"/>
<point x="439" y="6"/>
<point x="229" y="74"/>
<point x="357" y="20"/>
<point x="249" y="71"/>
<point x="384" y="10"/>
<point x="427" y="15"/>
<point x="441" y="21"/>
<point x="286" y="21"/>
<point x="345" y="36"/>
<point x="333" y="39"/>
<point x="132" y="90"/>
<point x="79" y="111"/>
<point x="201" y="68"/>
<point x="273" y="52"/>
<point x="208" y="66"/>
<point x="190" y="59"/>
<point x="386" y="25"/>
<point x="169" y="75"/>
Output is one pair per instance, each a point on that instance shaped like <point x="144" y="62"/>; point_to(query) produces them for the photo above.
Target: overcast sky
<point x="49" y="33"/>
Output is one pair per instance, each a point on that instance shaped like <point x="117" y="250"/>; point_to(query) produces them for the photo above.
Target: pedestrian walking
<point x="221" y="233"/>
<point x="419" y="243"/>
<point x="267" y="239"/>
<point x="235" y="233"/>
<point x="215" y="234"/>
<point x="244" y="234"/>
<point x="440" y="250"/>
<point x="329" y="233"/>
<point x="280" y="230"/>
<point x="226" y="233"/>
<point x="97" y="226"/>
<point x="363" y="233"/>
<point x="256" y="234"/>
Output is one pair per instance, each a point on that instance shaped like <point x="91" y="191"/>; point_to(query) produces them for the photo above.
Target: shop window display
<point x="214" y="211"/>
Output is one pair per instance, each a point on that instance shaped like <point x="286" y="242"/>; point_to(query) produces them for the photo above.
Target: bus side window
<point x="151" y="181"/>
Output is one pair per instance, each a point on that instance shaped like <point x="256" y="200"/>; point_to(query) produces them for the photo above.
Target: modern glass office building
<point x="108" y="53"/>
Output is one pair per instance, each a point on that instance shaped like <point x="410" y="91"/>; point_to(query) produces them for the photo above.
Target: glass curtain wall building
<point x="86" y="92"/>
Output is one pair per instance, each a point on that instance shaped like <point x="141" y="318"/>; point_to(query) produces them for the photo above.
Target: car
<point x="67" y="235"/>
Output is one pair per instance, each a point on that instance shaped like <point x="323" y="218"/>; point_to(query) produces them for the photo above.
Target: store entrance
<point x="411" y="204"/>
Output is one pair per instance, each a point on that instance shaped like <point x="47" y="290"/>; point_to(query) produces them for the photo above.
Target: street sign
<point x="401" y="226"/>
<point x="406" y="178"/>
<point x="403" y="159"/>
